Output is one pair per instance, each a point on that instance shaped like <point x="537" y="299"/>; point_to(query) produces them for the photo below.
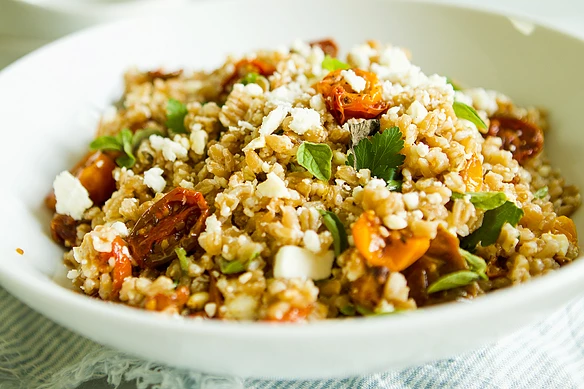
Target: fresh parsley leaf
<point x="483" y="200"/>
<point x="182" y="259"/>
<point x="453" y="280"/>
<point x="232" y="267"/>
<point x="380" y="154"/>
<point x="476" y="263"/>
<point x="467" y="112"/>
<point x="316" y="158"/>
<point x="142" y="135"/>
<point x="329" y="63"/>
<point x="337" y="230"/>
<point x="128" y="160"/>
<point x="106" y="142"/>
<point x="394" y="185"/>
<point x="175" y="116"/>
<point x="454" y="85"/>
<point x="541" y="193"/>
<point x="250" y="78"/>
<point x="493" y="221"/>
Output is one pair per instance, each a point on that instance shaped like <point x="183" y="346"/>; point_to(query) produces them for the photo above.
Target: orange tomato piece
<point x="396" y="252"/>
<point x="565" y="225"/>
<point x="344" y="103"/>
<point x="246" y="66"/>
<point x="472" y="175"/>
<point x="122" y="263"/>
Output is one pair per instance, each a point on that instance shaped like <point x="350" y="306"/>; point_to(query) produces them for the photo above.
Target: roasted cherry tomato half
<point x="522" y="138"/>
<point x="328" y="46"/>
<point x="64" y="230"/>
<point x="344" y="103"/>
<point x="246" y="66"/>
<point x="174" y="221"/>
<point x="122" y="263"/>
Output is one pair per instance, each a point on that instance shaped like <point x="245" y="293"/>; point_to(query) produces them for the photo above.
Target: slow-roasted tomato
<point x="246" y="66"/>
<point x="522" y="138"/>
<point x="64" y="230"/>
<point x="367" y="290"/>
<point x="95" y="172"/>
<point x="344" y="103"/>
<point x="174" y="221"/>
<point x="122" y="263"/>
<point x="176" y="299"/>
<point x="328" y="46"/>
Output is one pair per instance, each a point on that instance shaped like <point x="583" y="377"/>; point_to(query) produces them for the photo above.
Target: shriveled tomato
<point x="174" y="221"/>
<point x="176" y="299"/>
<point x="122" y="265"/>
<point x="64" y="230"/>
<point x="328" y="46"/>
<point x="344" y="103"/>
<point x="396" y="251"/>
<point x="522" y="138"/>
<point x="246" y="66"/>
<point x="367" y="290"/>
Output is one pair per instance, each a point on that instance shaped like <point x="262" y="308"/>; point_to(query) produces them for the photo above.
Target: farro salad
<point x="292" y="185"/>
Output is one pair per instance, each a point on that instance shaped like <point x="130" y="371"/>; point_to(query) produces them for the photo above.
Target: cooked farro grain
<point x="288" y="186"/>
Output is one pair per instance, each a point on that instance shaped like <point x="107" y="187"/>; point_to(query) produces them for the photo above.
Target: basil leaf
<point x="316" y="158"/>
<point x="141" y="135"/>
<point x="337" y="229"/>
<point x="175" y="116"/>
<point x="329" y="63"/>
<point x="453" y="280"/>
<point x="467" y="112"/>
<point x="483" y="200"/>
<point x="454" y="85"/>
<point x="106" y="142"/>
<point x="541" y="193"/>
<point x="231" y="267"/>
<point x="493" y="221"/>
<point x="182" y="259"/>
<point x="476" y="263"/>
<point x="250" y="78"/>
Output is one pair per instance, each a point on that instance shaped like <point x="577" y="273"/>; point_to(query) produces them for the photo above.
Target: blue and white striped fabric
<point x="35" y="353"/>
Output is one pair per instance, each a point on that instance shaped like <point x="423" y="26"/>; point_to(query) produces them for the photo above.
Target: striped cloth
<point x="36" y="353"/>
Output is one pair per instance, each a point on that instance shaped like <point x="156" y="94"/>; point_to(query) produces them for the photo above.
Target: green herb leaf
<point x="175" y="116"/>
<point x="182" y="259"/>
<point x="476" y="263"/>
<point x="142" y="135"/>
<point x="454" y="85"/>
<point x="231" y="267"/>
<point x="467" y="112"/>
<point x="348" y="310"/>
<point x="128" y="160"/>
<point x="380" y="154"/>
<point x="541" y="193"/>
<point x="483" y="200"/>
<point x="316" y="158"/>
<point x="394" y="185"/>
<point x="493" y="221"/>
<point x="250" y="78"/>
<point x="337" y="229"/>
<point x="453" y="280"/>
<point x="329" y="63"/>
<point x="106" y="142"/>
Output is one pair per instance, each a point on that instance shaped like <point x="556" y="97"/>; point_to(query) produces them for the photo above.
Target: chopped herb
<point x="467" y="112"/>
<point x="142" y="135"/>
<point x="394" y="185"/>
<point x="348" y="310"/>
<point x="182" y="258"/>
<point x="476" y="263"/>
<point x="541" y="193"/>
<point x="453" y="280"/>
<point x="329" y="63"/>
<point x="337" y="230"/>
<point x="483" y="200"/>
<point x="493" y="221"/>
<point x="455" y="86"/>
<point x="175" y="116"/>
<point x="380" y="154"/>
<point x="250" y="78"/>
<point x="316" y="158"/>
<point x="106" y="142"/>
<point x="121" y="142"/>
<point x="231" y="267"/>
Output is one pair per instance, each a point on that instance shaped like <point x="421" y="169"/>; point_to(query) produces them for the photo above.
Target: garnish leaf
<point x="182" y="259"/>
<point x="316" y="158"/>
<point x="541" y="193"/>
<point x="337" y="230"/>
<point x="380" y="154"/>
<point x="455" y="86"/>
<point x="329" y="63"/>
<point x="476" y="263"/>
<point x="453" y="280"/>
<point x="141" y="135"/>
<point x="483" y="200"/>
<point x="493" y="221"/>
<point x="175" y="116"/>
<point x="231" y="267"/>
<point x="123" y="141"/>
<point x="348" y="310"/>
<point x="467" y="112"/>
<point x="106" y="142"/>
<point x="394" y="185"/>
<point x="250" y="78"/>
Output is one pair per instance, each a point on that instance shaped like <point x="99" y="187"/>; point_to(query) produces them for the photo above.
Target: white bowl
<point x="51" y="100"/>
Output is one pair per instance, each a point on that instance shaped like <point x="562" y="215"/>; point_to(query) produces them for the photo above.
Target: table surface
<point x="565" y="14"/>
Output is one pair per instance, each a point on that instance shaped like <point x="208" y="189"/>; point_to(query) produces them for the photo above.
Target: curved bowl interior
<point x="51" y="101"/>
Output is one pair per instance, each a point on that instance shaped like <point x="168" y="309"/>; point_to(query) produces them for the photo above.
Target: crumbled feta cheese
<point x="102" y="238"/>
<point x="411" y="200"/>
<point x="356" y="82"/>
<point x="417" y="112"/>
<point x="120" y="228"/>
<point x="154" y="180"/>
<point x="317" y="103"/>
<point x="170" y="149"/>
<point x="256" y="143"/>
<point x="271" y="122"/>
<point x="395" y="59"/>
<point x="284" y="95"/>
<point x="72" y="197"/>
<point x="360" y="55"/>
<point x="462" y="98"/>
<point x="311" y="241"/>
<point x="304" y="119"/>
<point x="484" y="100"/>
<point x="252" y="89"/>
<point x="395" y="222"/>
<point x="301" y="47"/>
<point x="198" y="138"/>
<point x="297" y="262"/>
<point x="273" y="187"/>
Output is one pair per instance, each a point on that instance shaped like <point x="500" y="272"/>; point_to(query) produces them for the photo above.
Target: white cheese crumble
<point x="170" y="149"/>
<point x="417" y="112"/>
<point x="273" y="187"/>
<point x="198" y="138"/>
<point x="271" y="122"/>
<point x="361" y="55"/>
<point x="311" y="241"/>
<point x="356" y="82"/>
<point x="304" y="119"/>
<point x="253" y="90"/>
<point x="301" y="47"/>
<point x="297" y="262"/>
<point x="411" y="200"/>
<point x="154" y="180"/>
<point x="395" y="59"/>
<point x="72" y="197"/>
<point x="256" y="143"/>
<point x="395" y="222"/>
<point x="120" y="228"/>
<point x="102" y="238"/>
<point x="284" y="95"/>
<point x="317" y="103"/>
<point x="484" y="100"/>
